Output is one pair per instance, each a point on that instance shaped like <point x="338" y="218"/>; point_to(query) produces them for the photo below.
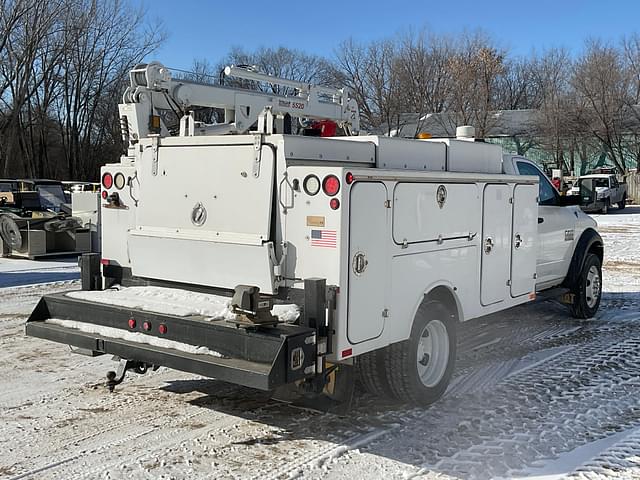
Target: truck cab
<point x="561" y="223"/>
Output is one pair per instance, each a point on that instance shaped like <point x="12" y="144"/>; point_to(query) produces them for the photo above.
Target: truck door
<point x="616" y="191"/>
<point x="523" y="243"/>
<point x="368" y="261"/>
<point x="496" y="243"/>
<point x="556" y="228"/>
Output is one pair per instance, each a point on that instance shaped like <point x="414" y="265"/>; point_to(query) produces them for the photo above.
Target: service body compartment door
<point x="525" y="232"/>
<point x="204" y="216"/>
<point x="428" y="212"/>
<point x="368" y="261"/>
<point x="208" y="191"/>
<point x="496" y="244"/>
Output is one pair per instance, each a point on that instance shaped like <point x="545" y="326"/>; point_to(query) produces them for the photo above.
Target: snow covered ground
<point x="536" y="395"/>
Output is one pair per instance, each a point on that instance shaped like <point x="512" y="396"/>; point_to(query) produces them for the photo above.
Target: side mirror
<point x="567" y="200"/>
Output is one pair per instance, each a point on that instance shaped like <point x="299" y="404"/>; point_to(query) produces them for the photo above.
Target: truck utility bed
<point x="261" y="358"/>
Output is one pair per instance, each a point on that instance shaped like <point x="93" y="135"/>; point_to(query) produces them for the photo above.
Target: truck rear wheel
<point x="588" y="288"/>
<point x="419" y="369"/>
<point x="622" y="203"/>
<point x="372" y="374"/>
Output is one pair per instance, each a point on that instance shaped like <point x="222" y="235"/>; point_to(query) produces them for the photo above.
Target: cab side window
<point x="614" y="182"/>
<point x="547" y="194"/>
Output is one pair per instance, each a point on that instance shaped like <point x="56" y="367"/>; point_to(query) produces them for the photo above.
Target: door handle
<point x="488" y="245"/>
<point x="540" y="219"/>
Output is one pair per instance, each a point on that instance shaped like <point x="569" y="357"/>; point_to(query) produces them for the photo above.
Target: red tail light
<point x="331" y="185"/>
<point x="107" y="180"/>
<point x="104" y="194"/>
<point x="146" y="326"/>
<point x="349" y="178"/>
<point x="334" y="204"/>
<point x="162" y="328"/>
<point x="132" y="323"/>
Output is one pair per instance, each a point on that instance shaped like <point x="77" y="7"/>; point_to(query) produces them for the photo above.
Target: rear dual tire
<point x="417" y="370"/>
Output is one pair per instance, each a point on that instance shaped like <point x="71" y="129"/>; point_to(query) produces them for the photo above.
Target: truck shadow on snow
<point x="16" y="279"/>
<point x="628" y="210"/>
<point x="530" y="384"/>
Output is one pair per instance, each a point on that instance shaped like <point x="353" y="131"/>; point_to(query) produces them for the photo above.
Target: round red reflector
<point x="331" y="185"/>
<point x="104" y="194"/>
<point x="107" y="180"/>
<point x="349" y="178"/>
<point x="162" y="328"/>
<point x="146" y="326"/>
<point x="132" y="323"/>
<point x="334" y="204"/>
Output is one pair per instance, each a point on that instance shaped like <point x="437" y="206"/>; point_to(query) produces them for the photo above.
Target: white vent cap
<point x="465" y="132"/>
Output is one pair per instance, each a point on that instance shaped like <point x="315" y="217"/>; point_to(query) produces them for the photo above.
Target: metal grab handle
<point x="285" y="180"/>
<point x="488" y="245"/>
<point x="359" y="263"/>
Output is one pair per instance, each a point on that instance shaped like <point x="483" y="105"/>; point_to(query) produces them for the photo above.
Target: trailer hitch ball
<point x="116" y="378"/>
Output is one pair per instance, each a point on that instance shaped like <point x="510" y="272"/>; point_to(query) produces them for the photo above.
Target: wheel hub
<point x="433" y="353"/>
<point x="593" y="287"/>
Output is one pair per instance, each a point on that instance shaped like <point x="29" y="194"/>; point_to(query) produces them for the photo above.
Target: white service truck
<point x="247" y="253"/>
<point x="600" y="191"/>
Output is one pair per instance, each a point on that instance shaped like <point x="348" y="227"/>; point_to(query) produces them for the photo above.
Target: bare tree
<point x="280" y="62"/>
<point x="602" y="85"/>
<point x="555" y="114"/>
<point x="475" y="68"/>
<point x="105" y="41"/>
<point x="61" y="75"/>
<point x="372" y="74"/>
<point x="425" y="81"/>
<point x="30" y="52"/>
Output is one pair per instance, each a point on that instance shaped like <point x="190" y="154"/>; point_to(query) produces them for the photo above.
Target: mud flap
<point x="336" y="397"/>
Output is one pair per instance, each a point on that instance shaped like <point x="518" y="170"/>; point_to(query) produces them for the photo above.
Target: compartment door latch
<point x="257" y="154"/>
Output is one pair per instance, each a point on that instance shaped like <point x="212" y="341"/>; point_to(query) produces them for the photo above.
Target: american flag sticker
<point x="323" y="238"/>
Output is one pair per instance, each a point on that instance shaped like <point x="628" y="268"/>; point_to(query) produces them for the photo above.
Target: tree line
<point x="64" y="66"/>
<point x="63" y="69"/>
<point x="577" y="107"/>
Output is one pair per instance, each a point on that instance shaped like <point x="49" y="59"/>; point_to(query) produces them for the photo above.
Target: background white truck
<point x="600" y="192"/>
<point x="269" y="259"/>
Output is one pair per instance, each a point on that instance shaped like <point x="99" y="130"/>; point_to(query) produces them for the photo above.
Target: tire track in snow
<point x="318" y="457"/>
<point x="157" y="441"/>
<point x="106" y="403"/>
<point x="101" y="446"/>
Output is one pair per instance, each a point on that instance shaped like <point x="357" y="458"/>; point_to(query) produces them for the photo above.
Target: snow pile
<point x="286" y="313"/>
<point x="136" y="337"/>
<point x="173" y="301"/>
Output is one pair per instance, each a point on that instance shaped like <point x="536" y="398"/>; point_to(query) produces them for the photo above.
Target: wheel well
<point x="598" y="249"/>
<point x="445" y="296"/>
<point x="589" y="242"/>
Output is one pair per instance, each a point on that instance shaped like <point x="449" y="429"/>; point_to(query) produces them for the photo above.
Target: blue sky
<point x="208" y="29"/>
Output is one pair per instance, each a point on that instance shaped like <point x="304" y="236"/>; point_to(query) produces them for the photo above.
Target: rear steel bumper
<point x="263" y="358"/>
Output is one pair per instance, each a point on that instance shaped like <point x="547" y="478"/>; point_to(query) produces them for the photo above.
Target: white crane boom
<point x="152" y="90"/>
